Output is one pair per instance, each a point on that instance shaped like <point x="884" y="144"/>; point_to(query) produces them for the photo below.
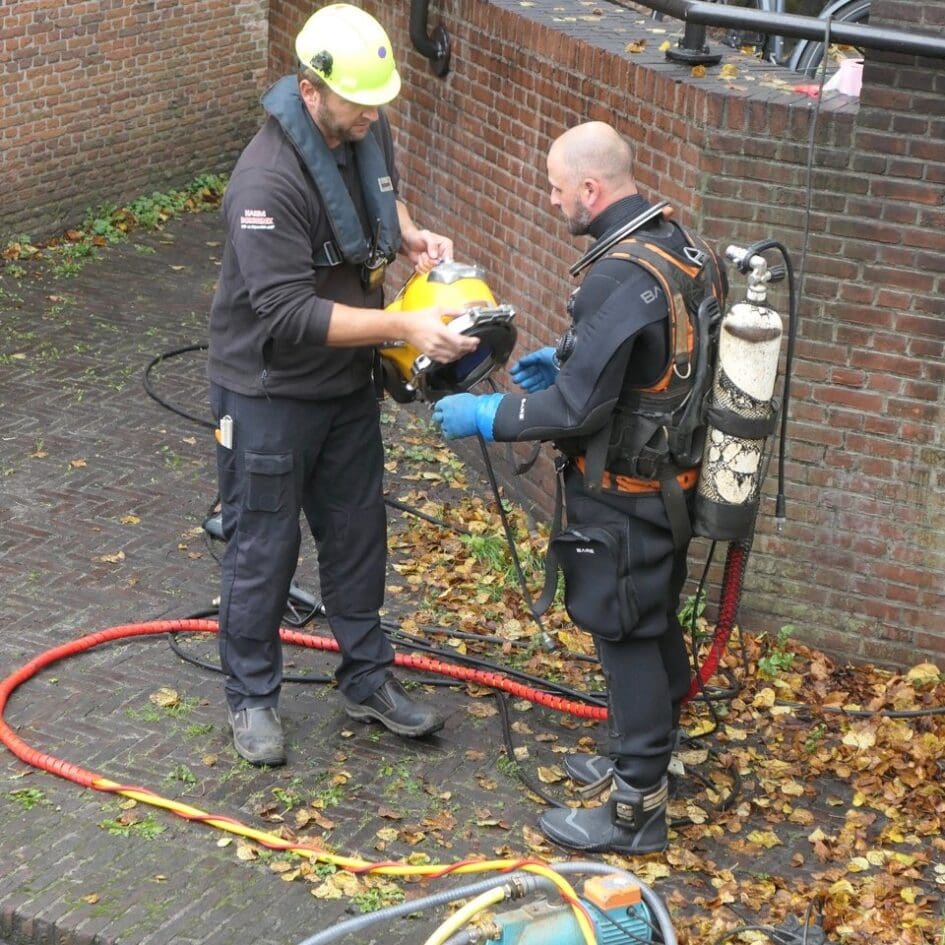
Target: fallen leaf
<point x="924" y="674"/>
<point x="115" y="558"/>
<point x="764" y="838"/>
<point x="860" y="738"/>
<point x="551" y="775"/>
<point x="165" y="698"/>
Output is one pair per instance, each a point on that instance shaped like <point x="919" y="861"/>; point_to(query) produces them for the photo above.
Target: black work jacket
<point x="270" y="312"/>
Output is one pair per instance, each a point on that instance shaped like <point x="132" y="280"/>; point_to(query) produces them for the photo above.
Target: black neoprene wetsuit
<point x="621" y="332"/>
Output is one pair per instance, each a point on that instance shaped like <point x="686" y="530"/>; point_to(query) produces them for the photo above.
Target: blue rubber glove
<point x="536" y="371"/>
<point x="460" y="415"/>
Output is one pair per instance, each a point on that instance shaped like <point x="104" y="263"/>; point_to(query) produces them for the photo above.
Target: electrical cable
<point x="413" y="642"/>
<point x="506" y="721"/>
<point x="169" y="406"/>
<point x="867" y="713"/>
<point x="505" y="718"/>
<point x="298" y="620"/>
<point x="210" y="425"/>
<point x="544" y="637"/>
<point x="403" y="507"/>
<point x="776" y="935"/>
<point x="539" y="683"/>
<point x="702" y="674"/>
<point x="410" y="641"/>
<point x="794" y="297"/>
<point x="88" y="779"/>
<point x="705" y="693"/>
<point x="789" y="932"/>
<point x="486" y="638"/>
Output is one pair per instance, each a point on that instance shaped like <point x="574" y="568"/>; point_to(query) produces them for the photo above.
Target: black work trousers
<point x="324" y="459"/>
<point x="647" y="673"/>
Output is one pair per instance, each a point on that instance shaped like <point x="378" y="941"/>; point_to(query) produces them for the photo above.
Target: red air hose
<point x="732" y="577"/>
<point x="86" y="778"/>
<point x="730" y="595"/>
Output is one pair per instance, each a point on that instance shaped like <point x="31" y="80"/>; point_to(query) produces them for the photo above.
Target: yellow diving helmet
<point x="409" y="374"/>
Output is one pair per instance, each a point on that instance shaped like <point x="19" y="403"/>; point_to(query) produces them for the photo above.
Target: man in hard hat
<point x="607" y="395"/>
<point x="313" y="218"/>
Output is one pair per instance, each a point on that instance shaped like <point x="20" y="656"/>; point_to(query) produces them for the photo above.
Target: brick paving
<point x="103" y="494"/>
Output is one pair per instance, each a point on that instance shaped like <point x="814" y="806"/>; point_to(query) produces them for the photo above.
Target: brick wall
<point x="105" y="100"/>
<point x="860" y="565"/>
<point x="867" y="462"/>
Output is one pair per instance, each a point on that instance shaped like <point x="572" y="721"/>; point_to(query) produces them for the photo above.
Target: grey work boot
<point x="257" y="735"/>
<point x="391" y="706"/>
<point x="633" y="821"/>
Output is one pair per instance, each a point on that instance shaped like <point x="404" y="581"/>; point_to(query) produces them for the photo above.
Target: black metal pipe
<point x="677" y="9"/>
<point x="863" y="35"/>
<point x="434" y="46"/>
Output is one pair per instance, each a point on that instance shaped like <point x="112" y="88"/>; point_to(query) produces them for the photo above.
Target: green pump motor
<point x="614" y="903"/>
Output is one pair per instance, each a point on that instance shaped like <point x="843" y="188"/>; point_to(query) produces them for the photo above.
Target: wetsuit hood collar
<point x="617" y="214"/>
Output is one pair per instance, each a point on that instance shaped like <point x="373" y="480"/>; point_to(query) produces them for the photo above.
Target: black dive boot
<point x="632" y="821"/>
<point x="593" y="772"/>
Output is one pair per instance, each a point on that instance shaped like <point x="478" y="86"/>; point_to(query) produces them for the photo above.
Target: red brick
<point x="870" y="348"/>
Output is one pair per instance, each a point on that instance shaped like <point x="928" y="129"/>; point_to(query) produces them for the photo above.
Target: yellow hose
<point x="459" y="918"/>
<point x="353" y="864"/>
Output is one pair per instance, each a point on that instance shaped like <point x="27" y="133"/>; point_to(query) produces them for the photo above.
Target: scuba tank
<point x="742" y="412"/>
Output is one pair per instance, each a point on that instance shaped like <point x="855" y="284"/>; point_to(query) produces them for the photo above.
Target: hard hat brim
<point x="370" y="98"/>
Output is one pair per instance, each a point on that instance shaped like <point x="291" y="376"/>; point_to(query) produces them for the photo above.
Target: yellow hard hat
<point x="350" y="51"/>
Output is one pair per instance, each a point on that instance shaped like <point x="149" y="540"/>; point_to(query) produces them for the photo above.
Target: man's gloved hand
<point x="536" y="371"/>
<point x="460" y="415"/>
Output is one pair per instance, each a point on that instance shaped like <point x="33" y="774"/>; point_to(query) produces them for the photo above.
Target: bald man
<point x="605" y="395"/>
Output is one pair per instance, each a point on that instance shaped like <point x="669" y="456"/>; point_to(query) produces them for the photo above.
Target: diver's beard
<point x="580" y="223"/>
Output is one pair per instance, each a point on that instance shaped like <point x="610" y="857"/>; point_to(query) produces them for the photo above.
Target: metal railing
<point x="697" y="14"/>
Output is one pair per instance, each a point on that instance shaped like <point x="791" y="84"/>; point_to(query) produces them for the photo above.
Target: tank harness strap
<point x="633" y="486"/>
<point x="526" y="464"/>
<point x="672" y="489"/>
<point x="679" y="367"/>
<point x="654" y="260"/>
<point x="677" y="511"/>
